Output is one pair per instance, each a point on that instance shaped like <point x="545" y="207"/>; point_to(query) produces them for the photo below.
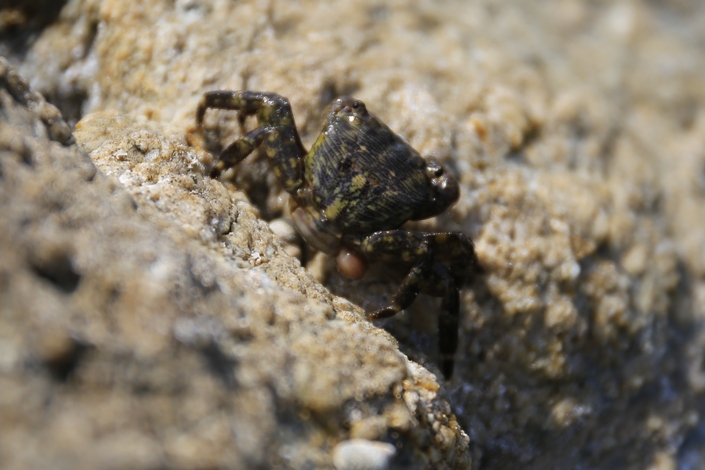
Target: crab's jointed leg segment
<point x="427" y="275"/>
<point x="394" y="246"/>
<point x="238" y="150"/>
<point x="443" y="285"/>
<point x="454" y="247"/>
<point x="277" y="132"/>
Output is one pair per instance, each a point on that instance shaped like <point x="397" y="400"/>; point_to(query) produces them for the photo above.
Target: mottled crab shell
<point x="364" y="176"/>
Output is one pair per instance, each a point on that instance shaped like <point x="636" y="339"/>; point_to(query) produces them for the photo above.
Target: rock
<point x="575" y="130"/>
<point x="148" y="318"/>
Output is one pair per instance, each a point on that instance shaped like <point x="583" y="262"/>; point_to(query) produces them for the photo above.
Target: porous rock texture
<point x="158" y="325"/>
<point x="150" y="317"/>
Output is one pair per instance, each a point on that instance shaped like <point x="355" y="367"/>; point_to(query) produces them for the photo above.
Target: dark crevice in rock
<point x="221" y="365"/>
<point x="59" y="272"/>
<point x="690" y="454"/>
<point x="70" y="104"/>
<point x="62" y="366"/>
<point x="21" y="22"/>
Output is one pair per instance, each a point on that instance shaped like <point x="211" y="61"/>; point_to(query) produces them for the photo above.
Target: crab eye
<point x="356" y="104"/>
<point x="434" y="169"/>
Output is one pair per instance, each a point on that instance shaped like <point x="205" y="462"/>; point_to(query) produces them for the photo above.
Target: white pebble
<point x="361" y="454"/>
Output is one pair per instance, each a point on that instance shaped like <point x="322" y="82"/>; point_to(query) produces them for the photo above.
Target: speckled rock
<point x="147" y="318"/>
<point x="576" y="130"/>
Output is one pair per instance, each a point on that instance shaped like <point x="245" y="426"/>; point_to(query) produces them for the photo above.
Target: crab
<point x="351" y="194"/>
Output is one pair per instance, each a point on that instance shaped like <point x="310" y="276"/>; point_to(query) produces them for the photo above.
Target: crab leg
<point x="277" y="132"/>
<point x="238" y="150"/>
<point x="395" y="246"/>
<point x="426" y="275"/>
<point x="443" y="285"/>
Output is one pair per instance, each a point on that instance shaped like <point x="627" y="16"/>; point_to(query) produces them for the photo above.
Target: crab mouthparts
<point x="314" y="232"/>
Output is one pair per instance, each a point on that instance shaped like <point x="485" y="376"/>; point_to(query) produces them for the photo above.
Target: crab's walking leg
<point x="427" y="275"/>
<point x="394" y="246"/>
<point x="443" y="285"/>
<point x="277" y="132"/>
<point x="455" y="259"/>
<point x="238" y="150"/>
<point x="455" y="248"/>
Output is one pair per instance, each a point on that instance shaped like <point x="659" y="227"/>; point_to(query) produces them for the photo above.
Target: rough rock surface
<point x="161" y="328"/>
<point x="576" y="129"/>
